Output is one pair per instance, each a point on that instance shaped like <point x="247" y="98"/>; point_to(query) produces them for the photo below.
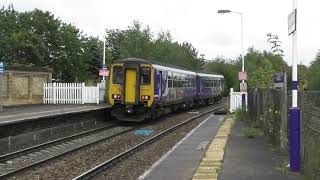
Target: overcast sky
<point x="195" y="21"/>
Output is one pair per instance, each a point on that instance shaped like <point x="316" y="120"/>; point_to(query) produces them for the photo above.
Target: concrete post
<point x="294" y="110"/>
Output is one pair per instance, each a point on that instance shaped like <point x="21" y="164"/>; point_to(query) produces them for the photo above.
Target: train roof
<point x="169" y="67"/>
<point x="139" y="60"/>
<point x="174" y="69"/>
<point x="210" y="75"/>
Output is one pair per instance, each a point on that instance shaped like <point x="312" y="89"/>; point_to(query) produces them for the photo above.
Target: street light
<point x="224" y="11"/>
<point x="104" y="55"/>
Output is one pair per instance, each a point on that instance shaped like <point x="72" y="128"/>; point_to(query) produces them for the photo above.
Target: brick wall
<point x="24" y="87"/>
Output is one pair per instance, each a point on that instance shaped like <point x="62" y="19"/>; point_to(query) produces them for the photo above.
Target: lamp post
<point x="224" y="11"/>
<point x="104" y="56"/>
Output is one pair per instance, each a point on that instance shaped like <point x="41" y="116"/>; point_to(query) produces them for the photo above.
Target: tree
<point x="228" y="68"/>
<point x="136" y="41"/>
<point x="40" y="39"/>
<point x="261" y="66"/>
<point x="313" y="75"/>
<point x="263" y="76"/>
<point x="92" y="56"/>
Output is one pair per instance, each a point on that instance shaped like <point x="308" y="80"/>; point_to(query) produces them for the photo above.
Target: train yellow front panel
<point x="131" y="81"/>
<point x="148" y="89"/>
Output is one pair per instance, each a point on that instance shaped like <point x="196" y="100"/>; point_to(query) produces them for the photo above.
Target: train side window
<point x="169" y="75"/>
<point x="117" y="75"/>
<point x="170" y="83"/>
<point x="176" y="83"/>
<point x="208" y="83"/>
<point x="145" y="77"/>
<point x="215" y="83"/>
<point x="193" y="82"/>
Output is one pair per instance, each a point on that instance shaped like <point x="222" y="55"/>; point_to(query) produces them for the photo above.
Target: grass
<point x="250" y="132"/>
<point x="284" y="167"/>
<point x="241" y="115"/>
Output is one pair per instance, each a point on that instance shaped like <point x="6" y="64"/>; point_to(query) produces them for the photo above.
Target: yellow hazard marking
<point x="40" y="112"/>
<point x="210" y="164"/>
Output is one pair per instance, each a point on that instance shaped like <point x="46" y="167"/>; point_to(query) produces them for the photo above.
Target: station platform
<point x="18" y="114"/>
<point x="182" y="161"/>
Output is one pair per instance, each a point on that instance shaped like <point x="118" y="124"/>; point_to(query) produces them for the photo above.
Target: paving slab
<point x="182" y="161"/>
<point x="30" y="112"/>
<point x="251" y="159"/>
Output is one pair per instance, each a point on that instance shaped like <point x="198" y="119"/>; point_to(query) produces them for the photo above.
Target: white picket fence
<point x="236" y="100"/>
<point x="70" y="93"/>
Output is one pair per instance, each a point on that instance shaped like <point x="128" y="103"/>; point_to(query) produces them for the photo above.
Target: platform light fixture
<point x="225" y="11"/>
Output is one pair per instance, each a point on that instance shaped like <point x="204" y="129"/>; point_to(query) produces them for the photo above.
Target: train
<point x="140" y="89"/>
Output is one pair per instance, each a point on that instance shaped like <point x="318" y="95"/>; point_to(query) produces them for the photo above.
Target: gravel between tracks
<point x="75" y="163"/>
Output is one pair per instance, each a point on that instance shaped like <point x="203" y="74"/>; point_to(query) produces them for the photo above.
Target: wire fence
<point x="268" y="110"/>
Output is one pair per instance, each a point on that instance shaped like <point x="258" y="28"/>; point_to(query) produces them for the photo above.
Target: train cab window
<point x="117" y="75"/>
<point x="222" y="84"/>
<point x="145" y="77"/>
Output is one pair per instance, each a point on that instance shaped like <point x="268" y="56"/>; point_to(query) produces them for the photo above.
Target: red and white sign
<point x="103" y="72"/>
<point x="243" y="76"/>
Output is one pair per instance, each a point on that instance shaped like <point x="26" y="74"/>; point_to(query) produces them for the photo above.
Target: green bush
<point x="250" y="132"/>
<point x="242" y="115"/>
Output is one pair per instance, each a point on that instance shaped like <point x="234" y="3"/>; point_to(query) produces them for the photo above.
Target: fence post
<point x="44" y="93"/>
<point x="231" y="100"/>
<point x="97" y="93"/>
<point x="83" y="93"/>
<point x="54" y="93"/>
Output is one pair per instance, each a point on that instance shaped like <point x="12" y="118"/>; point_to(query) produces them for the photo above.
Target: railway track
<point x="26" y="158"/>
<point x="107" y="164"/>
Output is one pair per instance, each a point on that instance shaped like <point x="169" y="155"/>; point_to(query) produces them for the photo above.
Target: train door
<point x="198" y="85"/>
<point x="161" y="85"/>
<point x="130" y="86"/>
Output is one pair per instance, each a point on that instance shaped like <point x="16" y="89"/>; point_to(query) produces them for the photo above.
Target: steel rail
<point x="107" y="164"/>
<point x="64" y="153"/>
<point x="31" y="149"/>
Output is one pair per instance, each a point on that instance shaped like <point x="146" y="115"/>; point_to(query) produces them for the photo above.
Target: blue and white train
<point x="140" y="89"/>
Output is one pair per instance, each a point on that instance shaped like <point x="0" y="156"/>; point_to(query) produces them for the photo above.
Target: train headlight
<point x="116" y="96"/>
<point x="143" y="97"/>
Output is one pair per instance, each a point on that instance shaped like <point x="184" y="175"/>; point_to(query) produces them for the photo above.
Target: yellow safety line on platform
<point x="210" y="165"/>
<point x="40" y="112"/>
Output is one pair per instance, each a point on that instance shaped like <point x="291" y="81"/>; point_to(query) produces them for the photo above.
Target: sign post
<point x="243" y="76"/>
<point x="1" y="84"/>
<point x="104" y="71"/>
<point x="294" y="110"/>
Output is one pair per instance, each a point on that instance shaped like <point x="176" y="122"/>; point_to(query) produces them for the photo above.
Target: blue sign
<point x="278" y="78"/>
<point x="1" y="68"/>
<point x="104" y="67"/>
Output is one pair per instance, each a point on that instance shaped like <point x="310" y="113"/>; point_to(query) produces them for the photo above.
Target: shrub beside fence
<point x="268" y="110"/>
<point x="265" y="107"/>
<point x="310" y="134"/>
